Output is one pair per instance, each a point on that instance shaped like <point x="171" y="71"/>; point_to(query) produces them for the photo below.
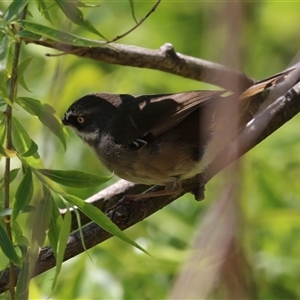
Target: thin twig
<point x="136" y="25"/>
<point x="165" y="59"/>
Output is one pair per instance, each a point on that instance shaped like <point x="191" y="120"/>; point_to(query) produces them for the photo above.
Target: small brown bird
<point x="164" y="139"/>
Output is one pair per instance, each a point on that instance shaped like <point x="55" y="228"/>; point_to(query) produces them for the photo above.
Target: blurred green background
<point x="267" y="232"/>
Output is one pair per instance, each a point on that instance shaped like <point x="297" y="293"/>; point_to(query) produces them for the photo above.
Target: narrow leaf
<point x="29" y="35"/>
<point x="82" y="4"/>
<point x="4" y="47"/>
<point x="58" y="36"/>
<point x="132" y="11"/>
<point x="18" y="235"/>
<point x="55" y="226"/>
<point x="5" y="212"/>
<point x="101" y="219"/>
<point x="75" y="179"/>
<point x="46" y="115"/>
<point x="8" y="248"/>
<point x="23" y="66"/>
<point x="32" y="150"/>
<point x="23" y="194"/>
<point x="42" y="218"/>
<point x="61" y="246"/>
<point x="22" y="290"/>
<point x="14" y="9"/>
<point x="21" y="69"/>
<point x="12" y="175"/>
<point x="75" y="15"/>
<point x="44" y="10"/>
<point x="70" y="10"/>
<point x="21" y="140"/>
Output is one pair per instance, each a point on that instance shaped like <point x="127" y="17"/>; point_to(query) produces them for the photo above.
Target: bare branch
<point x="165" y="59"/>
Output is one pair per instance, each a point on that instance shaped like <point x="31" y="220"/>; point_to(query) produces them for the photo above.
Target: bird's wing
<point x="156" y="114"/>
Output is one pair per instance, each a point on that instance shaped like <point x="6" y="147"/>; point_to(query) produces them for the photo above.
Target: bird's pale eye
<point x="80" y="120"/>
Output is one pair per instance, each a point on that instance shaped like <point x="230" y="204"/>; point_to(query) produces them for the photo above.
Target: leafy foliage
<point x="36" y="189"/>
<point x="269" y="200"/>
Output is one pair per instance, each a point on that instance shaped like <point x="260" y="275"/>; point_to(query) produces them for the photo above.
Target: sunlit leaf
<point x="22" y="290"/>
<point x="8" y="248"/>
<point x="101" y="219"/>
<point x="57" y="35"/>
<point x="43" y="9"/>
<point x="5" y="212"/>
<point x="131" y="2"/>
<point x="32" y="150"/>
<point x="4" y="46"/>
<point x="82" y="4"/>
<point x="46" y="115"/>
<point x="14" y="9"/>
<point x="74" y="14"/>
<point x="12" y="175"/>
<point x="61" y="245"/>
<point x="23" y="194"/>
<point x="18" y="234"/>
<point x="29" y="35"/>
<point x="75" y="179"/>
<point x="42" y="217"/>
<point x="55" y="226"/>
<point x="21" y="69"/>
<point x="20" y="138"/>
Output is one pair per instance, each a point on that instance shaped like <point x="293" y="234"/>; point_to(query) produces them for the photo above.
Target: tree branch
<point x="128" y="214"/>
<point x="165" y="59"/>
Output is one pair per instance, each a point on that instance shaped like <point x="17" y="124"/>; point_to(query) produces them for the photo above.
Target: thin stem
<point x="13" y="86"/>
<point x="136" y="25"/>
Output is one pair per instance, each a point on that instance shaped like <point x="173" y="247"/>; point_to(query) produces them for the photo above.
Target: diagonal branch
<point x="126" y="215"/>
<point x="165" y="59"/>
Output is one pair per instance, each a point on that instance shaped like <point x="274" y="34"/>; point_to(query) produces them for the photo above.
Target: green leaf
<point x="43" y="9"/>
<point x="101" y="219"/>
<point x="22" y="290"/>
<point x="55" y="226"/>
<point x="21" y="69"/>
<point x="70" y="10"/>
<point x="23" y="194"/>
<point x="74" y="14"/>
<point x="75" y="179"/>
<point x="57" y="35"/>
<point x="2" y="134"/>
<point x="29" y="35"/>
<point x="12" y="175"/>
<point x="23" y="66"/>
<point x="8" y="248"/>
<point x="61" y="245"/>
<point x="131" y="2"/>
<point x="5" y="212"/>
<point x="4" y="47"/>
<point x="18" y="235"/>
<point x="14" y="9"/>
<point x="20" y="138"/>
<point x="82" y="4"/>
<point x="32" y="150"/>
<point x="42" y="217"/>
<point x="46" y="115"/>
